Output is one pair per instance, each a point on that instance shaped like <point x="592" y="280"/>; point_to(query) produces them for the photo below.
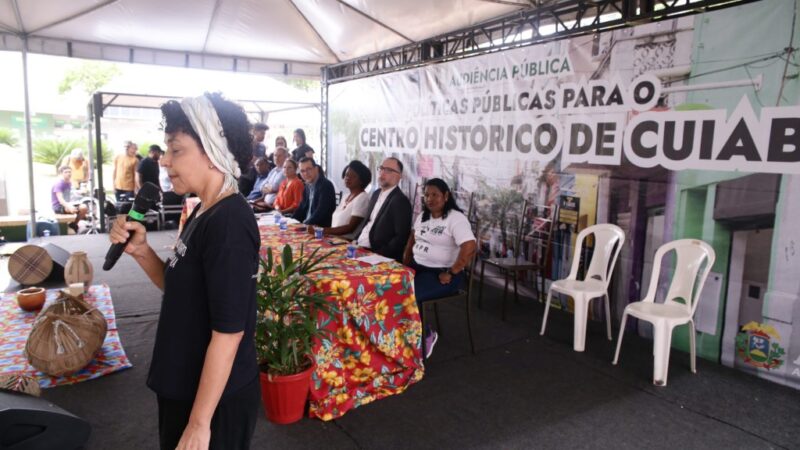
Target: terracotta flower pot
<point x="284" y="396"/>
<point x="78" y="269"/>
<point x="31" y="299"/>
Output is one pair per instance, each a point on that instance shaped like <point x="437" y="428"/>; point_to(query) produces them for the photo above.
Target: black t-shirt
<point x="300" y="152"/>
<point x="148" y="171"/>
<point x="209" y="284"/>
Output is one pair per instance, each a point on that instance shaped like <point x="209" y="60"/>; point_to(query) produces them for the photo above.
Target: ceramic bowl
<point x="31" y="299"/>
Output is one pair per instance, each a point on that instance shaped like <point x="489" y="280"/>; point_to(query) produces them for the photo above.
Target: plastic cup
<point x="351" y="251"/>
<point x="318" y="232"/>
<point x="283" y="225"/>
<point x="278" y="217"/>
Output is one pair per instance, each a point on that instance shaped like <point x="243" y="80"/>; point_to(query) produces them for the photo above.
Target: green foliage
<point x="55" y="151"/>
<point x="89" y="76"/>
<point x="286" y="325"/>
<point x="7" y="137"/>
<point x="303" y="84"/>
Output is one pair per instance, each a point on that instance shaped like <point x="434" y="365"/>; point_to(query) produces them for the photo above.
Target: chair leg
<point x="580" y="315"/>
<point x="505" y="297"/>
<point x="546" y="310"/>
<point x="469" y="327"/>
<point x="619" y="339"/>
<point x="436" y="313"/>
<point x="692" y="349"/>
<point x="608" y="317"/>
<point x="516" y="294"/>
<point x="480" y="286"/>
<point x="662" y="337"/>
<point x="422" y="336"/>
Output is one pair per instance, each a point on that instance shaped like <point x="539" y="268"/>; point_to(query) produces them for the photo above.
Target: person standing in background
<point x="303" y="150"/>
<point x="79" y="167"/>
<point x="125" y="172"/>
<point x="259" y="133"/>
<point x="148" y="168"/>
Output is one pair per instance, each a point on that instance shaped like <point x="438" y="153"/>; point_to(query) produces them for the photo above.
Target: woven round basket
<point x="30" y="265"/>
<point x="66" y="336"/>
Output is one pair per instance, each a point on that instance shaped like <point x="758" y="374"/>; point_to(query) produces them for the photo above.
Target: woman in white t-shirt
<point x="353" y="209"/>
<point x="439" y="249"/>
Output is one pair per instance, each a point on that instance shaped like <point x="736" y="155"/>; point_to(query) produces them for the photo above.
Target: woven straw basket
<point x="65" y="336"/>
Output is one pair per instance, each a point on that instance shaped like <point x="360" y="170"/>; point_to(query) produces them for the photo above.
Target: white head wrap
<point x="205" y="122"/>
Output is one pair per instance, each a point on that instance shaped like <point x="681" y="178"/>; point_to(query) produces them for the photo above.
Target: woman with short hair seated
<point x="353" y="209"/>
<point x="440" y="248"/>
<point x="290" y="192"/>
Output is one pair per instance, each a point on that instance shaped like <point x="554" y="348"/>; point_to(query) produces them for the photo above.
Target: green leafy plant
<point x="286" y="325"/>
<point x="89" y="76"/>
<point x="7" y="137"/>
<point x="55" y="151"/>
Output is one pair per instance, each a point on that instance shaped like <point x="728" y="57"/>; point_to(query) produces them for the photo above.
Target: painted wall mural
<point x="687" y="128"/>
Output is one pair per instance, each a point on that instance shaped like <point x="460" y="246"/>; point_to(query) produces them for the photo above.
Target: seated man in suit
<point x="319" y="196"/>
<point x="389" y="216"/>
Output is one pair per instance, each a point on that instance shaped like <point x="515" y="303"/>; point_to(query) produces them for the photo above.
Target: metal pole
<point x="28" y="134"/>
<point x="93" y="205"/>
<point x="97" y="113"/>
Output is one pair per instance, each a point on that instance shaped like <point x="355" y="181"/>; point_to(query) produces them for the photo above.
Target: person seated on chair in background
<point x="319" y="198"/>
<point x="148" y="167"/>
<point x="290" y="193"/>
<point x="79" y="166"/>
<point x="269" y="189"/>
<point x="124" y="175"/>
<point x="303" y="150"/>
<point x="280" y="141"/>
<point x="388" y="223"/>
<point x="262" y="171"/>
<point x="353" y="209"/>
<point x="439" y="249"/>
<point x="60" y="198"/>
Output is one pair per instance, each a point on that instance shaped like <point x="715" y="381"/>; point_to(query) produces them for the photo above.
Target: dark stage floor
<point x="519" y="391"/>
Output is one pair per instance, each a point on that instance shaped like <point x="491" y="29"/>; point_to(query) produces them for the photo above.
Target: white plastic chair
<point x="608" y="243"/>
<point x="685" y="285"/>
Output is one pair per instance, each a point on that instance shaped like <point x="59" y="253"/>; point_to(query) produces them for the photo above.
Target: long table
<point x="375" y="346"/>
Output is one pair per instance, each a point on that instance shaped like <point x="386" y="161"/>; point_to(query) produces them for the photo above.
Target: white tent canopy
<point x="290" y="37"/>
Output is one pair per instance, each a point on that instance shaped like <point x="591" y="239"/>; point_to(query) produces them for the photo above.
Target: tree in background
<point x="7" y="137"/>
<point x="89" y="76"/>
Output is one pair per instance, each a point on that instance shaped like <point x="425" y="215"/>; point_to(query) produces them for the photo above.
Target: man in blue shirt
<point x="275" y="177"/>
<point x="262" y="171"/>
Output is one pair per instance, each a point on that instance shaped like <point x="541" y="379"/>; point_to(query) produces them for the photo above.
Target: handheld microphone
<point x="147" y="197"/>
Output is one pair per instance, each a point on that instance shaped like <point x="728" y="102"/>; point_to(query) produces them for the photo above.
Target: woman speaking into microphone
<point x="204" y="369"/>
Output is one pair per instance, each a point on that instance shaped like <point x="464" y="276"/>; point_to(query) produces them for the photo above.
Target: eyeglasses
<point x="388" y="169"/>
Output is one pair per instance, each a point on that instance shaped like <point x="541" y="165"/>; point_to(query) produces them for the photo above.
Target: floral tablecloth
<point x="374" y="348"/>
<point x="16" y="324"/>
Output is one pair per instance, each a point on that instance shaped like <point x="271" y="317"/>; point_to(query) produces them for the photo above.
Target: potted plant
<point x="286" y="328"/>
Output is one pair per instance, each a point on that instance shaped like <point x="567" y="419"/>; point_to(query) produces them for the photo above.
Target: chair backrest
<point x="608" y="240"/>
<point x="687" y="282"/>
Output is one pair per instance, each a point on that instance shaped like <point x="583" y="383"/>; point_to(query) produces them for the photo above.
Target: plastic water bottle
<point x="351" y="249"/>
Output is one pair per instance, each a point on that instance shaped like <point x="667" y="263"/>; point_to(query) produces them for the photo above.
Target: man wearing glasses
<point x="389" y="215"/>
<point x="319" y="197"/>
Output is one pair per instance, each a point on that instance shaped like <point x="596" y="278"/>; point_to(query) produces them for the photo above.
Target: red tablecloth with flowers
<point x="375" y="346"/>
<point x="16" y="325"/>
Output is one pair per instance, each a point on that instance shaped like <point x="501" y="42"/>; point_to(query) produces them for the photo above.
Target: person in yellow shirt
<point x="125" y="172"/>
<point x="79" y="167"/>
